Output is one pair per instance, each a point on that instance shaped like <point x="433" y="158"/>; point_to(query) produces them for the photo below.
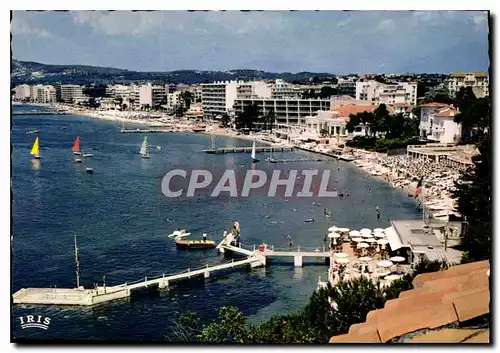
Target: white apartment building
<point x="283" y="90"/>
<point x="378" y="93"/>
<point x="70" y="93"/>
<point x="22" y="92"/>
<point x="173" y="100"/>
<point x="218" y="98"/>
<point x="477" y="80"/>
<point x="287" y="111"/>
<point x="42" y="94"/>
<point x="346" y="87"/>
<point x="118" y="91"/>
<point x="148" y="95"/>
<point x="436" y="123"/>
<point x="324" y="120"/>
<point x="399" y="93"/>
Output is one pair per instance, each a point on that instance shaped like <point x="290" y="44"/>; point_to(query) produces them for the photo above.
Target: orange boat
<point x="76" y="146"/>
<point x="194" y="244"/>
<point x="198" y="128"/>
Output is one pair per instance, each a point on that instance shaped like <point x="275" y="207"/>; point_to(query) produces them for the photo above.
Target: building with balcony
<point x="346" y="87"/>
<point x="378" y="93"/>
<point x="22" y="92"/>
<point x="219" y="97"/>
<point x="287" y="111"/>
<point x="148" y="96"/>
<point x="479" y="82"/>
<point x="436" y="123"/>
<point x="69" y="93"/>
<point x="283" y="90"/>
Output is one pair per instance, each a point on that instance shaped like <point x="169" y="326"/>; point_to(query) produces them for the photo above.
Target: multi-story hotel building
<point x="69" y="93"/>
<point x="287" y="111"/>
<point x="22" y="92"/>
<point x="219" y="97"/>
<point x="477" y="80"/>
<point x="378" y="93"/>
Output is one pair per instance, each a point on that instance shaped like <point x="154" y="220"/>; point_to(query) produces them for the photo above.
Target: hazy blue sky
<point x="326" y="41"/>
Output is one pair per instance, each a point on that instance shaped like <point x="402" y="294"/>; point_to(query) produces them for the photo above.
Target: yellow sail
<point x="34" y="149"/>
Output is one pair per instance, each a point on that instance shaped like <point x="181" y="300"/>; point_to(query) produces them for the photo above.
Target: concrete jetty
<point x="258" y="149"/>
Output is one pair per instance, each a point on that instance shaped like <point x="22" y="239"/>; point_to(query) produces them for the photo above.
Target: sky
<point x="338" y="42"/>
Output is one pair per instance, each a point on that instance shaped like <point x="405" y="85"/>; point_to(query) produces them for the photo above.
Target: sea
<point x="122" y="219"/>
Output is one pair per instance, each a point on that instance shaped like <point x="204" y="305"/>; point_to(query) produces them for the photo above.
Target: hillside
<point x="34" y="72"/>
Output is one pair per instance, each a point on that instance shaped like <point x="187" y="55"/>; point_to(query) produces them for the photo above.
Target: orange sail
<point x="76" y="146"/>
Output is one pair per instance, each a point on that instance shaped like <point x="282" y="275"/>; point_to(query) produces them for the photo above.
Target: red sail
<point x="76" y="146"/>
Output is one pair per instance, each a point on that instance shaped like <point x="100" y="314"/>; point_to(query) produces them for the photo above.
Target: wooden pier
<point x="258" y="149"/>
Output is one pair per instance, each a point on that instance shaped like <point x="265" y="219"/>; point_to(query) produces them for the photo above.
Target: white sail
<point x="253" y="151"/>
<point x="144" y="147"/>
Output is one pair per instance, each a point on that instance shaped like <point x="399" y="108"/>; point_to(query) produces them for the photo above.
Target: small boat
<point x="270" y="159"/>
<point x="76" y="147"/>
<point x="144" y="148"/>
<point x="158" y="148"/>
<point x="64" y="128"/>
<point x="180" y="233"/>
<point x="254" y="159"/>
<point x="198" y="128"/>
<point x="88" y="155"/>
<point x="78" y="160"/>
<point x="89" y="170"/>
<point x="33" y="132"/>
<point x="194" y="244"/>
<point x="309" y="220"/>
<point x="35" y="151"/>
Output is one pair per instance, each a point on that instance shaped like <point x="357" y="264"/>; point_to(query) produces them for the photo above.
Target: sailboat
<point x="211" y="149"/>
<point x="76" y="147"/>
<point x="253" y="153"/>
<point x="144" y="148"/>
<point x="35" y="152"/>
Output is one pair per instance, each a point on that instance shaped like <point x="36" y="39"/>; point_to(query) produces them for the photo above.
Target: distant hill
<point x="34" y="72"/>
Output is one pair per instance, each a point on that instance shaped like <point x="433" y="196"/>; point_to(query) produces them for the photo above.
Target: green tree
<point x="474" y="115"/>
<point x="225" y="120"/>
<point x="248" y="117"/>
<point x="230" y="328"/>
<point x="473" y="191"/>
<point x="327" y="92"/>
<point x="186" y="98"/>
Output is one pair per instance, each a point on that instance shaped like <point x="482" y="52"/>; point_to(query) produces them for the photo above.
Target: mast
<point x="77" y="266"/>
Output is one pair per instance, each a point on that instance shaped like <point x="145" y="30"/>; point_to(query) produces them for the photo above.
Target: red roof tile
<point x="434" y="105"/>
<point x="440" y="298"/>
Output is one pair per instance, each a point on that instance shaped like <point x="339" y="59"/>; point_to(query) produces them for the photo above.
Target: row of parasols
<point x="363" y="238"/>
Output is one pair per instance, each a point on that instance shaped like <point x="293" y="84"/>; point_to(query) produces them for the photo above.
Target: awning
<point x="393" y="238"/>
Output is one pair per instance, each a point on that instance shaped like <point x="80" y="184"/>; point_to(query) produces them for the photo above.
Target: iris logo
<point x="30" y="321"/>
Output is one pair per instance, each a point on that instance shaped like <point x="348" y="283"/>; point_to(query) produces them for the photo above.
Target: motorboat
<point x="309" y="220"/>
<point x="88" y="155"/>
<point x="89" y="170"/>
<point x="179" y="233"/>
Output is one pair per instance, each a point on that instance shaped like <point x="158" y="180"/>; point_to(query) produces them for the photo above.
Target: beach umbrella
<point x="385" y="263"/>
<point x="366" y="235"/>
<point x="357" y="240"/>
<point x="354" y="233"/>
<point x="397" y="259"/>
<point x="392" y="277"/>
<point x="363" y="246"/>
<point x="379" y="235"/>
<point x="370" y="240"/>
<point x="332" y="229"/>
<point x="382" y="273"/>
<point x="365" y="230"/>
<point x="341" y="255"/>
<point x="343" y="230"/>
<point x="365" y="258"/>
<point x="376" y="230"/>
<point x="334" y="235"/>
<point x="383" y="241"/>
<point x="342" y="260"/>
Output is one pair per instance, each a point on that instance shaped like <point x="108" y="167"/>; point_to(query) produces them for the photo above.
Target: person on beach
<point x="290" y="241"/>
